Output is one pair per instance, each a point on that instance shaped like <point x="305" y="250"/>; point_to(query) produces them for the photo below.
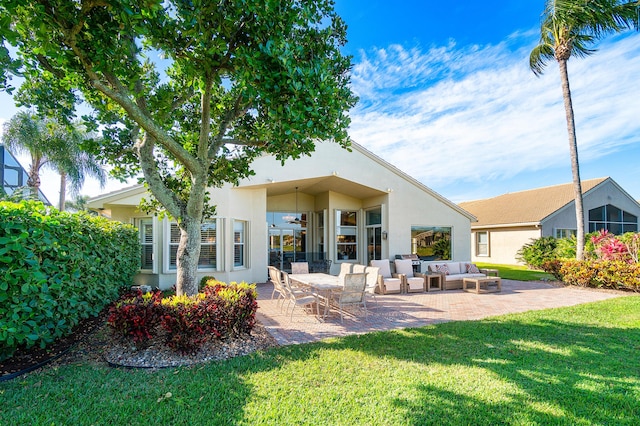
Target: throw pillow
<point x="443" y="269"/>
<point x="472" y="269"/>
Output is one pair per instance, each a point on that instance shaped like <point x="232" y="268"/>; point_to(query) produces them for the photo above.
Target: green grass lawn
<point x="516" y="272"/>
<point x="574" y="366"/>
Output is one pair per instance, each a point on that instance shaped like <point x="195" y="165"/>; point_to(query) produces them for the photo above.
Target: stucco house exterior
<point x="509" y="221"/>
<point x="337" y="205"/>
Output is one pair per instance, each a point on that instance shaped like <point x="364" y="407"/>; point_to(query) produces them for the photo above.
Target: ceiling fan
<point x="295" y="220"/>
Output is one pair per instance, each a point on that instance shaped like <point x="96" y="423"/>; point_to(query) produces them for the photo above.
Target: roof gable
<point x="526" y="207"/>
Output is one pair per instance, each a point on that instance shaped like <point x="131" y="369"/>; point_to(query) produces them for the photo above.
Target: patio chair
<point x="358" y="269"/>
<point x="353" y="293"/>
<point x="411" y="283"/>
<point x="387" y="283"/>
<point x="345" y="268"/>
<point x="276" y="279"/>
<point x="298" y="296"/>
<point x="299" y="267"/>
<point x="372" y="281"/>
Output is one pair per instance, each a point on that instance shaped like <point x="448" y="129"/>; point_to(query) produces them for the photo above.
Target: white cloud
<point x="479" y="113"/>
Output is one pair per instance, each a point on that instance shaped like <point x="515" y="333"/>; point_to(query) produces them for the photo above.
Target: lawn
<point x="516" y="272"/>
<point x="576" y="365"/>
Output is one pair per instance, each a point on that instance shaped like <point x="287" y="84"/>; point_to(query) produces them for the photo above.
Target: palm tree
<point x="25" y="134"/>
<point x="570" y="28"/>
<point x="55" y="146"/>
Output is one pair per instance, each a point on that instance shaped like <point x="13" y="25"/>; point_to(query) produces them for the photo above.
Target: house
<point x="13" y="175"/>
<point x="507" y="222"/>
<point x="337" y="205"/>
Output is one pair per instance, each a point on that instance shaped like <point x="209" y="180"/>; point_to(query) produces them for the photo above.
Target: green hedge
<point x="57" y="268"/>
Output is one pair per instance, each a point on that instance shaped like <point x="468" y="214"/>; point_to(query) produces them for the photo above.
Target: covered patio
<point x="399" y="311"/>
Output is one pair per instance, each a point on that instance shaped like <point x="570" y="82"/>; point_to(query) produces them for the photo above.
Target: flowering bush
<point x="609" y="247"/>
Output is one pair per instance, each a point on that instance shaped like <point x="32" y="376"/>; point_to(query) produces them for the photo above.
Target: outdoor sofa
<point x="454" y="272"/>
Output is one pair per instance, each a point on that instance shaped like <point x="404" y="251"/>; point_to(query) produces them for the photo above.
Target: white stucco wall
<point x="331" y="179"/>
<point x="504" y="244"/>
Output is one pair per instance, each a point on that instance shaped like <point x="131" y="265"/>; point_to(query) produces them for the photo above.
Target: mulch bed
<point x="92" y="342"/>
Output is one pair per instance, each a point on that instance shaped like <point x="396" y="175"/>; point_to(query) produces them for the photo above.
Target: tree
<point x="570" y="28"/>
<point x="54" y="146"/>
<point x="233" y="80"/>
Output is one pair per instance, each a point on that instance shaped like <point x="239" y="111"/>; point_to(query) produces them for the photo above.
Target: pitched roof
<point x="525" y="207"/>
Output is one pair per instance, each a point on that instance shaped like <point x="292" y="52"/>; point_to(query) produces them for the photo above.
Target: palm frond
<point x="539" y="57"/>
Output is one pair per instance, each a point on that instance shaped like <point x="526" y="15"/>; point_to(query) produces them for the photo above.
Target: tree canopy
<point x="187" y="91"/>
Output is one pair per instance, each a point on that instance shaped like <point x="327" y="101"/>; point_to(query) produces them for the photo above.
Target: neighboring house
<point x="335" y="205"/>
<point x="507" y="222"/>
<point x="13" y="175"/>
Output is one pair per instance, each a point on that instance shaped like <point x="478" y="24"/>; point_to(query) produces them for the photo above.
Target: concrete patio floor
<point x="395" y="311"/>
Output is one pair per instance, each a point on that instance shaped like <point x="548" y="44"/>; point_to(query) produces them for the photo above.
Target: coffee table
<point x="481" y="284"/>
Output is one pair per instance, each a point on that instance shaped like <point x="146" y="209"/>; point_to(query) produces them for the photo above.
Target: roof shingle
<point x="530" y="206"/>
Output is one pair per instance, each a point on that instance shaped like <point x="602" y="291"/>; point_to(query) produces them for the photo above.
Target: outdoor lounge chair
<point x="411" y="283"/>
<point x="387" y="283"/>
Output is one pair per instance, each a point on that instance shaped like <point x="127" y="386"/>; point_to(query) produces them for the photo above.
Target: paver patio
<point x="397" y="311"/>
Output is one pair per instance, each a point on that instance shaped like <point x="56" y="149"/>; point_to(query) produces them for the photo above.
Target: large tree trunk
<point x="188" y="256"/>
<point x="573" y="150"/>
<point x="63" y="191"/>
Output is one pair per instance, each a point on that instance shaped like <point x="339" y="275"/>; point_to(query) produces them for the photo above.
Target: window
<point x="208" y="246"/>
<point x="431" y="242"/>
<point x="612" y="219"/>
<point x="565" y="233"/>
<point x="482" y="243"/>
<point x="239" y="240"/>
<point x="374" y="234"/>
<point x="346" y="234"/>
<point x="145" y="229"/>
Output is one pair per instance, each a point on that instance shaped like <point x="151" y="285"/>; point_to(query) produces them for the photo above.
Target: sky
<point x="447" y="96"/>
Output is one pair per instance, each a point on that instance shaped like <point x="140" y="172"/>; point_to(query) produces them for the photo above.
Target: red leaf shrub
<point x="136" y="316"/>
<point x="219" y="311"/>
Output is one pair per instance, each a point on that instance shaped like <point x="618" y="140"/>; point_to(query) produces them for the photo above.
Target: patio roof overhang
<point x="317" y="185"/>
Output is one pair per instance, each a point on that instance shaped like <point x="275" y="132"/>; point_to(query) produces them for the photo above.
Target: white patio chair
<point x="298" y="296"/>
<point x="345" y="268"/>
<point x="387" y="283"/>
<point x="411" y="282"/>
<point x="276" y="279"/>
<point x="353" y="293"/>
<point x="372" y="281"/>
<point x="299" y="267"/>
<point x="358" y="269"/>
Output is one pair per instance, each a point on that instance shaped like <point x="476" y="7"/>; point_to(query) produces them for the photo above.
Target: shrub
<point x="220" y="311"/>
<point x="538" y="251"/>
<point x="614" y="274"/>
<point x="185" y="320"/>
<point x="136" y="316"/>
<point x="553" y="267"/>
<point x="609" y="247"/>
<point x="576" y="272"/>
<point x="57" y="268"/>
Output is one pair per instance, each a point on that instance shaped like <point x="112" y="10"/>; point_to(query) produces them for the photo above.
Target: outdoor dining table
<point x="324" y="285"/>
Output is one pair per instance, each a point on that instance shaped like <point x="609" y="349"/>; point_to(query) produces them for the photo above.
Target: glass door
<point x="286" y="245"/>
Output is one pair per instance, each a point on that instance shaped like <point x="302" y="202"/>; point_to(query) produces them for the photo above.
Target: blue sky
<point x="447" y="96"/>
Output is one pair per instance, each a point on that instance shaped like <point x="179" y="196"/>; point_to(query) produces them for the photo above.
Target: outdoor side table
<point x="434" y="282"/>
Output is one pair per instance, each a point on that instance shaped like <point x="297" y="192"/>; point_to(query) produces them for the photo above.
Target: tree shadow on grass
<point x="556" y="371"/>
